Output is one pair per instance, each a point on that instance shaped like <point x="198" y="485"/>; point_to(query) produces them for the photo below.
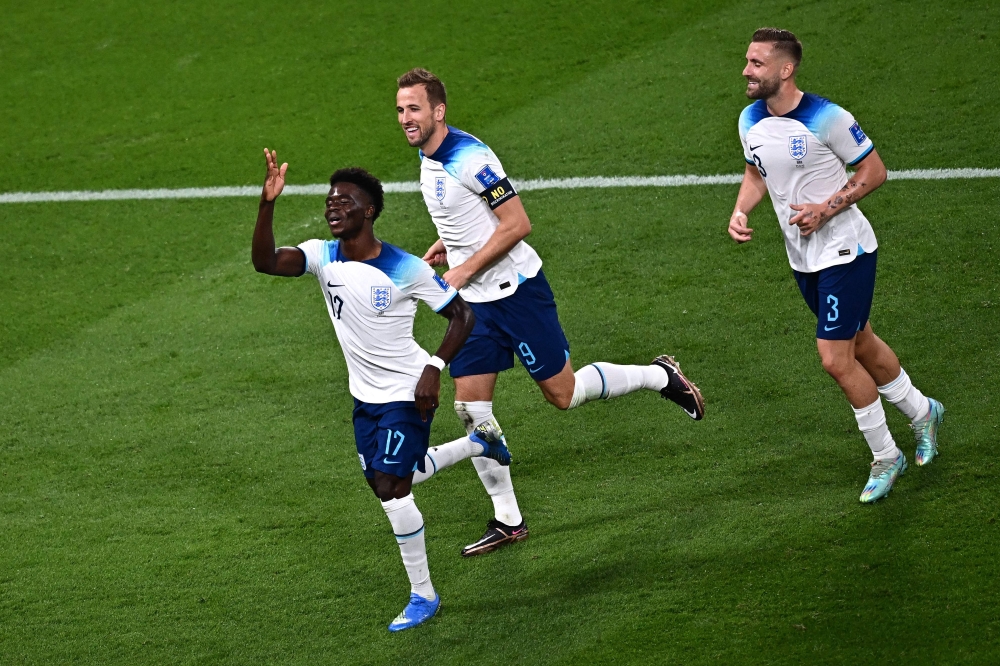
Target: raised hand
<point x="274" y="183"/>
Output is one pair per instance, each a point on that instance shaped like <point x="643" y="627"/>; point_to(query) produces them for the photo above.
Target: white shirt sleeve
<point x="423" y="283"/>
<point x="483" y="174"/>
<point x="845" y="138"/>
<point x="314" y="251"/>
<point x="743" y="129"/>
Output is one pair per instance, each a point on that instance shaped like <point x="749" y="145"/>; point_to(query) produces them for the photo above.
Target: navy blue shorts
<point x="840" y="296"/>
<point x="525" y="323"/>
<point x="390" y="437"/>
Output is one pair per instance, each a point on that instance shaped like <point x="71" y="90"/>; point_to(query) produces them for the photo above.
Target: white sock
<point x="495" y="477"/>
<point x="408" y="526"/>
<point x="871" y="422"/>
<point x="446" y="455"/>
<point x="606" y="380"/>
<point x="902" y="393"/>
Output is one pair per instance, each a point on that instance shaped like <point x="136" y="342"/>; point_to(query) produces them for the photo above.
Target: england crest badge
<point x="439" y="189"/>
<point x="797" y="146"/>
<point x="381" y="298"/>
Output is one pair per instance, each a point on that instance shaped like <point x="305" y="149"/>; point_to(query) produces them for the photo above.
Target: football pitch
<point x="179" y="478"/>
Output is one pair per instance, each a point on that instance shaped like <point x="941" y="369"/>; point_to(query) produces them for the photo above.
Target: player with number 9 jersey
<point x="481" y="225"/>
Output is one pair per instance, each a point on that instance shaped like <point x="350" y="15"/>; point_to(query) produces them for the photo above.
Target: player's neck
<point x="362" y="247"/>
<point x="436" y="139"/>
<point x="785" y="101"/>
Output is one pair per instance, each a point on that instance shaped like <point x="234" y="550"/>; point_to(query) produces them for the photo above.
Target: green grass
<point x="179" y="483"/>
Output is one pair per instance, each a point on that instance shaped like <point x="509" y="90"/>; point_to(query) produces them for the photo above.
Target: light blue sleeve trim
<point x="445" y="304"/>
<point x="862" y="156"/>
<point x="749" y="161"/>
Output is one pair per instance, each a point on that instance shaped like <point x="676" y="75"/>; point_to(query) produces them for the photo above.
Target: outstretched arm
<point x="869" y="177"/>
<point x="752" y="192"/>
<point x="285" y="261"/>
<point x="513" y="228"/>
<point x="460" y="323"/>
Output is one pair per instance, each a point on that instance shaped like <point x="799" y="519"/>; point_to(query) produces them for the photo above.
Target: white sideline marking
<point x="524" y="186"/>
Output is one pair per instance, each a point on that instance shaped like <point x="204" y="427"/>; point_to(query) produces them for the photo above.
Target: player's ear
<point x="439" y="111"/>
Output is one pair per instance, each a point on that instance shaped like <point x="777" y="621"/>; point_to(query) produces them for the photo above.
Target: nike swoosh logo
<point x="386" y="461"/>
<point x="330" y="284"/>
<point x="531" y="372"/>
<point x="756" y="147"/>
<point x="830" y="328"/>
<point x="692" y="414"/>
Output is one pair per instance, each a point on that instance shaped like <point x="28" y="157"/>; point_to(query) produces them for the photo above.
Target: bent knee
<point x="560" y="401"/>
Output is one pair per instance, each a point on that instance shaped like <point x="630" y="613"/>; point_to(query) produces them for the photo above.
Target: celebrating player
<point x="371" y="290"/>
<point x="481" y="226"/>
<point x="796" y="146"/>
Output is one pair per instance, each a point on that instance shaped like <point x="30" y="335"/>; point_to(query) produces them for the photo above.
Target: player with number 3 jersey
<point x="797" y="146"/>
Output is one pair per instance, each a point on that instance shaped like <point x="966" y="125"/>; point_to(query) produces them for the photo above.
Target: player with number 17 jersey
<point x="379" y="297"/>
<point x="371" y="289"/>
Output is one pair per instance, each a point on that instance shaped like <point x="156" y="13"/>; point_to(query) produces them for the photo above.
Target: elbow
<point x="883" y="175"/>
<point x="262" y="266"/>
<point x="524" y="229"/>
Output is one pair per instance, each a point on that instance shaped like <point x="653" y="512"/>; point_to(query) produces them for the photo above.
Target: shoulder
<point x="752" y="115"/>
<point x="318" y="252"/>
<point x="400" y="266"/>
<point x="817" y="114"/>
<point x="461" y="151"/>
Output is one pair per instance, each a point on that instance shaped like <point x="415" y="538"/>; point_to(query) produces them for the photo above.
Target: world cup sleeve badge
<point x="381" y="298"/>
<point x="798" y="146"/>
<point x="859" y="136"/>
<point x="439" y="189"/>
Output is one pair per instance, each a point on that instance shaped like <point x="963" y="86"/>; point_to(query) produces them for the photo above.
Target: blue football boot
<point x="881" y="478"/>
<point x="490" y="437"/>
<point x="418" y="611"/>
<point x="926" y="431"/>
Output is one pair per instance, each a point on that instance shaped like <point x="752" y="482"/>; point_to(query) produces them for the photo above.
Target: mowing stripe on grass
<point x="524" y="185"/>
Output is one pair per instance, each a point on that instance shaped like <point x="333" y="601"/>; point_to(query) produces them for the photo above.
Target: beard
<point x="424" y="135"/>
<point x="766" y="88"/>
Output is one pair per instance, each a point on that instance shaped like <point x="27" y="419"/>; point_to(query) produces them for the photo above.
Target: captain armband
<point x="498" y="193"/>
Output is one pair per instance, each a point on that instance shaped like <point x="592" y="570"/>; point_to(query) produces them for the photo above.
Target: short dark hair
<point x="436" y="94"/>
<point x="371" y="185"/>
<point x="783" y="41"/>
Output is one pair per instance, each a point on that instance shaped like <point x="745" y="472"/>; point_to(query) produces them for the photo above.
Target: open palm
<point x="274" y="183"/>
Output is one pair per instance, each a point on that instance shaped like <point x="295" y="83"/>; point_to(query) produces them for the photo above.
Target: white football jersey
<point x="462" y="182"/>
<point x="802" y="156"/>
<point x="372" y="305"/>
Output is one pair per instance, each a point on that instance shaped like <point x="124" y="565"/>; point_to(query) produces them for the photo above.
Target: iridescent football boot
<point x="925" y="432"/>
<point x="881" y="478"/>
